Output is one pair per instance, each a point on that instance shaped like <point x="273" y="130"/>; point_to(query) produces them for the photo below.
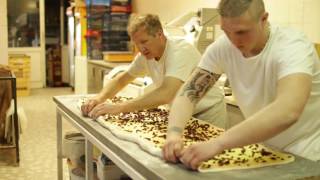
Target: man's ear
<point x="264" y="17"/>
<point x="160" y="33"/>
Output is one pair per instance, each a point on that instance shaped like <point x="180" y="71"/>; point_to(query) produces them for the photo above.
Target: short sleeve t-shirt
<point x="179" y="59"/>
<point x="254" y="82"/>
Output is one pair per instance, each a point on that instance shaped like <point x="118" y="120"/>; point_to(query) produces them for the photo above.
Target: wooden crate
<point x="19" y="61"/>
<point x="23" y="82"/>
<point x="21" y="72"/>
<point x="23" y="91"/>
<point x="20" y="65"/>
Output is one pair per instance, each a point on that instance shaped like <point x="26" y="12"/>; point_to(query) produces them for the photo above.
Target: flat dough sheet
<point x="148" y="128"/>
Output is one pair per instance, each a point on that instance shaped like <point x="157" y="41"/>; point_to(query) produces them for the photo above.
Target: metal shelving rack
<point x="15" y="114"/>
<point x="107" y="22"/>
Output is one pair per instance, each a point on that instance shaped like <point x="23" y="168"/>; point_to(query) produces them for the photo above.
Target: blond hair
<point x="149" y="22"/>
<point x="235" y="8"/>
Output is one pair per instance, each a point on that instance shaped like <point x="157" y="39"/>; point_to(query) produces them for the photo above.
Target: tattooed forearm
<point x="200" y="83"/>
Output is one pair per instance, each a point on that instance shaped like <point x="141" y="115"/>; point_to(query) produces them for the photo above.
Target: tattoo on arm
<point x="197" y="87"/>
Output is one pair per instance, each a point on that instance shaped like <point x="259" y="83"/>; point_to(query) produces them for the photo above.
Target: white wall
<point x="301" y="14"/>
<point x="3" y="32"/>
<point x="169" y="9"/>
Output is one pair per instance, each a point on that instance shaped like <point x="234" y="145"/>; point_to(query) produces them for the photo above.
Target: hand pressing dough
<point x="148" y="128"/>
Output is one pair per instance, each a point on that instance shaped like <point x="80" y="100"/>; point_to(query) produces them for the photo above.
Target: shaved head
<point x="236" y="8"/>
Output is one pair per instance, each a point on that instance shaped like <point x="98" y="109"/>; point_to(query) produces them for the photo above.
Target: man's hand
<point x="195" y="154"/>
<point x="89" y="105"/>
<point x="105" y="108"/>
<point x="172" y="148"/>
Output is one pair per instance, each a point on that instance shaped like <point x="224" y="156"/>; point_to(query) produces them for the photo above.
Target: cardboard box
<point x="109" y="171"/>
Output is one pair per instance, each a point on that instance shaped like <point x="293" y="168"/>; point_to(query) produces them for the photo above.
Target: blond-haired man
<point x="168" y="62"/>
<point x="274" y="74"/>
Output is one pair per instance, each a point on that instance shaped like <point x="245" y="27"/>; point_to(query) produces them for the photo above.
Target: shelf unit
<point x="95" y="17"/>
<point x="107" y="27"/>
<point x="53" y="44"/>
<point x="54" y="65"/>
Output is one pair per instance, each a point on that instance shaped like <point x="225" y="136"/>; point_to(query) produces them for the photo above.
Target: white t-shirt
<point x="179" y="59"/>
<point x="254" y="83"/>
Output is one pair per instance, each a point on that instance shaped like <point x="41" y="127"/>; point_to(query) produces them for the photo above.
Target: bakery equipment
<point x="199" y="28"/>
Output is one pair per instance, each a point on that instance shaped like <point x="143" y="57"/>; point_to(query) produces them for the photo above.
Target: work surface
<point x="152" y="167"/>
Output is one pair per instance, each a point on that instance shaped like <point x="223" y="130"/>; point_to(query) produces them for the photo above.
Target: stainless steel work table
<point x="141" y="165"/>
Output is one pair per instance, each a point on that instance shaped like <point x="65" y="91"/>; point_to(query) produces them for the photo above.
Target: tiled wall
<point x="3" y="33"/>
<point x="301" y="14"/>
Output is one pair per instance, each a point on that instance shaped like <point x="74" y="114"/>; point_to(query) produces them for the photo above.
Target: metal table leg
<point x="16" y="121"/>
<point x="89" y="166"/>
<point x="59" y="146"/>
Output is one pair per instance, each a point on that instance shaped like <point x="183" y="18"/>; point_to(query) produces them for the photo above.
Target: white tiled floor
<point x="38" y="143"/>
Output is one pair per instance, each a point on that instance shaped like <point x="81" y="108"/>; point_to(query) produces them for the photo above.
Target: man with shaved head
<point x="275" y="76"/>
